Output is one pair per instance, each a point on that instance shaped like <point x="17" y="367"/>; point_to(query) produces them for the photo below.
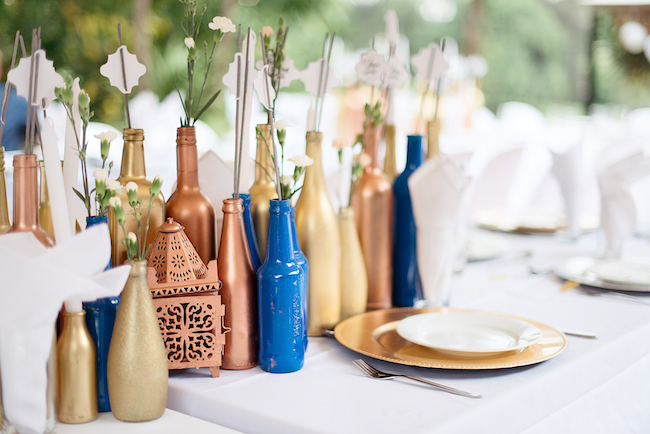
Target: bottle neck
<point x="314" y="176"/>
<point x="263" y="157"/>
<point x="25" y="192"/>
<point x="294" y="232"/>
<point x="133" y="154"/>
<point x="414" y="155"/>
<point x="187" y="160"/>
<point x="280" y="232"/>
<point x="371" y="145"/>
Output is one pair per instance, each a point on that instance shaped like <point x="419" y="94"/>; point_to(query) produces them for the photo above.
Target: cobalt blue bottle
<point x="249" y="227"/>
<point x="100" y="319"/>
<point x="407" y="288"/>
<point x="279" y="279"/>
<point x="301" y="259"/>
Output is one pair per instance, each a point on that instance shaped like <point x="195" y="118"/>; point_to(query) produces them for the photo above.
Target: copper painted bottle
<point x="188" y="205"/>
<point x="390" y="160"/>
<point x="373" y="209"/>
<point x="433" y="135"/>
<point x="77" y="391"/>
<point x="5" y="226"/>
<point x="44" y="209"/>
<point x="137" y="358"/>
<point x="318" y="234"/>
<point x="239" y="290"/>
<point x="263" y="189"/>
<point x="354" y="280"/>
<point x="133" y="169"/>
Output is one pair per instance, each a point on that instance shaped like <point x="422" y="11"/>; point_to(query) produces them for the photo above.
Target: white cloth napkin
<point x="617" y="207"/>
<point x="35" y="282"/>
<point x="568" y="169"/>
<point x="437" y="189"/>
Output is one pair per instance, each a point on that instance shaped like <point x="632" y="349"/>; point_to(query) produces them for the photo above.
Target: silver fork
<point x="612" y="294"/>
<point x="376" y="373"/>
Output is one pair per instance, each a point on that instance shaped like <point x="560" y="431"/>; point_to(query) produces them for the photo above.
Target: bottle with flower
<point x="137" y="358"/>
<point x="188" y="205"/>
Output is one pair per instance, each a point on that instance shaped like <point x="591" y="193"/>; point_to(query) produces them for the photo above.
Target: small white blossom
<point x="339" y="144"/>
<point x="131" y="186"/>
<point x="301" y="160"/>
<point x="286" y="179"/>
<point x="115" y="202"/>
<point x="100" y="175"/>
<point x="112" y="184"/>
<point x="106" y="135"/>
<point x="267" y="31"/>
<point x="189" y="42"/>
<point x="132" y="237"/>
<point x="281" y="125"/>
<point x="222" y="23"/>
<point x="363" y="159"/>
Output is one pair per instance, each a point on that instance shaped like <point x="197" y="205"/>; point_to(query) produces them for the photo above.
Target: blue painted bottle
<point x="301" y="259"/>
<point x="100" y="319"/>
<point x="249" y="227"/>
<point x="407" y="289"/>
<point x="279" y="280"/>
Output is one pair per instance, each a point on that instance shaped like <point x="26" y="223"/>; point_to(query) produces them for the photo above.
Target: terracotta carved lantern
<point x="187" y="301"/>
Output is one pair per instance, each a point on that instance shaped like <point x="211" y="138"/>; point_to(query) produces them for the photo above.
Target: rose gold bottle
<point x="133" y="169"/>
<point x="263" y="189"/>
<point x="373" y="209"/>
<point x="187" y="205"/>
<point x="239" y="290"/>
<point x="44" y="209"/>
<point x="5" y="226"/>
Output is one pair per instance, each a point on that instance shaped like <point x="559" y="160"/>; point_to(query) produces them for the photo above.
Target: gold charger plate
<point x="374" y="334"/>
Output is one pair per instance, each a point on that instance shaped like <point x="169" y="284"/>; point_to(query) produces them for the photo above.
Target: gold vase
<point x="77" y="391"/>
<point x="318" y="235"/>
<point x="137" y="359"/>
<point x="133" y="169"/>
<point x="433" y="135"/>
<point x="373" y="208"/>
<point x="354" y="280"/>
<point x="188" y="205"/>
<point x="239" y="290"/>
<point x="5" y="226"/>
<point x="44" y="209"/>
<point x="390" y="161"/>
<point x="263" y="190"/>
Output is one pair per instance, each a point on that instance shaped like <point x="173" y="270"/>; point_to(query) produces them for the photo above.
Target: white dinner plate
<point x="578" y="269"/>
<point x="469" y="334"/>
<point x="622" y="272"/>
<point x="482" y="245"/>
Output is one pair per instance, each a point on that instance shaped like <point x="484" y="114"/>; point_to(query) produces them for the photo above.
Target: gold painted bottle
<point x="390" y="161"/>
<point x="239" y="290"/>
<point x="5" y="226"/>
<point x="188" y="205"/>
<point x="133" y="169"/>
<point x="354" y="280"/>
<point x="44" y="209"/>
<point x="373" y="211"/>
<point x="263" y="189"/>
<point x="318" y="235"/>
<point x="137" y="358"/>
<point x="77" y="391"/>
<point x="433" y="136"/>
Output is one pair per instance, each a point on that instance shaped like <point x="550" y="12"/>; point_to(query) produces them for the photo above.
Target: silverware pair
<point x="376" y="373"/>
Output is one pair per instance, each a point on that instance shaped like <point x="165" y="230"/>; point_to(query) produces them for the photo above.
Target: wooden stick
<point x="278" y="187"/>
<point x="327" y="73"/>
<point x="439" y="83"/>
<point x="126" y="95"/>
<point x="237" y="118"/>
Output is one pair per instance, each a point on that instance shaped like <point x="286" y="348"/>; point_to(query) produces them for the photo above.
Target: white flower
<point x="301" y="160"/>
<point x="189" y="42"/>
<point x="131" y="186"/>
<point x="132" y="237"/>
<point x="286" y="180"/>
<point x="281" y="125"/>
<point x="339" y="144"/>
<point x="113" y="184"/>
<point x="267" y="31"/>
<point x="222" y="23"/>
<point x="115" y="202"/>
<point x="106" y="135"/>
<point x="100" y="175"/>
<point x="363" y="159"/>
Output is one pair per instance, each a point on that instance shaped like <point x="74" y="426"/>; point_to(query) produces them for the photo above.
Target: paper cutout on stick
<point x="392" y="26"/>
<point x="371" y="67"/>
<point x="47" y="79"/>
<point x="396" y="74"/>
<point x="314" y="78"/>
<point x="264" y="88"/>
<point x="288" y="73"/>
<point x="430" y="63"/>
<point x="132" y="72"/>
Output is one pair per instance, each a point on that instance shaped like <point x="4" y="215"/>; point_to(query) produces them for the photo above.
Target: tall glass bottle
<point x="133" y="169"/>
<point x="263" y="189"/>
<point x="390" y="160"/>
<point x="354" y="279"/>
<point x="407" y="288"/>
<point x="239" y="290"/>
<point x="5" y="226"/>
<point x="282" y="343"/>
<point x="318" y="234"/>
<point x="188" y="205"/>
<point x="373" y="211"/>
<point x="44" y="209"/>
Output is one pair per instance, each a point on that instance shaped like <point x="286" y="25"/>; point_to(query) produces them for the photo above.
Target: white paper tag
<point x="314" y="78"/>
<point x="396" y="74"/>
<point x="133" y="70"/>
<point x="371" y="68"/>
<point x="288" y="74"/>
<point x="264" y="88"/>
<point x="430" y="63"/>
<point x="47" y="79"/>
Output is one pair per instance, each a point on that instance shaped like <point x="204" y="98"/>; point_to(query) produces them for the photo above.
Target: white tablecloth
<point x="594" y="386"/>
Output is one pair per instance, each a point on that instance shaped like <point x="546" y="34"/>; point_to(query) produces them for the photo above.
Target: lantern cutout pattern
<point x="186" y="299"/>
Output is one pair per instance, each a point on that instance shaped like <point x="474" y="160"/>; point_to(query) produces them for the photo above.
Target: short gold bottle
<point x="133" y="169"/>
<point x="77" y="391"/>
<point x="433" y="136"/>
<point x="263" y="189"/>
<point x="5" y="226"/>
<point x="390" y="160"/>
<point x="44" y="208"/>
<point x="318" y="235"/>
